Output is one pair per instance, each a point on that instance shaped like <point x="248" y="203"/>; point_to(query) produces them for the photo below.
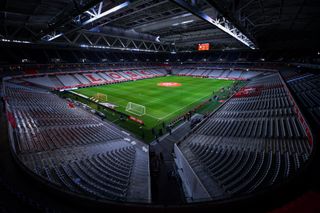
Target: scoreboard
<point x="203" y="47"/>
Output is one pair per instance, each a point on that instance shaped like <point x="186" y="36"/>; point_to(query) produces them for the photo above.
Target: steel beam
<point x="51" y="36"/>
<point x="96" y="13"/>
<point x="221" y="23"/>
<point x="65" y="18"/>
<point x="103" y="41"/>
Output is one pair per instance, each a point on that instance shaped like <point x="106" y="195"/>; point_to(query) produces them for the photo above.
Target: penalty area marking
<point x="178" y="110"/>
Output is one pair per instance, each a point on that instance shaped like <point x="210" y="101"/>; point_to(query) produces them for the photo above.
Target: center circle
<point x="169" y="84"/>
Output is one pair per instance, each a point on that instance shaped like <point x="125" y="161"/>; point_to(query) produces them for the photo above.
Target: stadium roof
<point x="162" y="25"/>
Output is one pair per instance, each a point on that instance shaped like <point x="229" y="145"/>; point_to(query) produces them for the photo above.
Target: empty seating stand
<point x="75" y="150"/>
<point x="253" y="141"/>
<point x="212" y="72"/>
<point x="306" y="87"/>
<point x="79" y="78"/>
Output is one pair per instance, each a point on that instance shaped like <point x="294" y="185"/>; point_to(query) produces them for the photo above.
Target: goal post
<point x="136" y="109"/>
<point x="100" y="97"/>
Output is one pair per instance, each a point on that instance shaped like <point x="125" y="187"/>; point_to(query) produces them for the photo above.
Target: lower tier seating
<point x="253" y="141"/>
<point x="74" y="150"/>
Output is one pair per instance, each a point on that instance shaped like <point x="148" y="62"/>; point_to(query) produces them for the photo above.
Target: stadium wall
<point x="194" y="190"/>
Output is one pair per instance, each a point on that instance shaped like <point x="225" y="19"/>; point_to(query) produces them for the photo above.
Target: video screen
<point x="203" y="47"/>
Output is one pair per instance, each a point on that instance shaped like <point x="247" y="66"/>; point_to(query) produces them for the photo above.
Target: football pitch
<point x="162" y="103"/>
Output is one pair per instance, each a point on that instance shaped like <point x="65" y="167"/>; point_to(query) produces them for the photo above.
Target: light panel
<point x="98" y="15"/>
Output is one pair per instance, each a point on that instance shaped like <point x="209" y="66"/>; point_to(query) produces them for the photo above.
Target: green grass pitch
<point x="163" y="104"/>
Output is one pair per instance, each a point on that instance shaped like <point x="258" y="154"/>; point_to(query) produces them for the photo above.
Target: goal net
<point x="136" y="109"/>
<point x="100" y="97"/>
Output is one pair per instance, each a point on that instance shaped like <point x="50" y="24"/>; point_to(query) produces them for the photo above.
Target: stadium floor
<point x="162" y="103"/>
